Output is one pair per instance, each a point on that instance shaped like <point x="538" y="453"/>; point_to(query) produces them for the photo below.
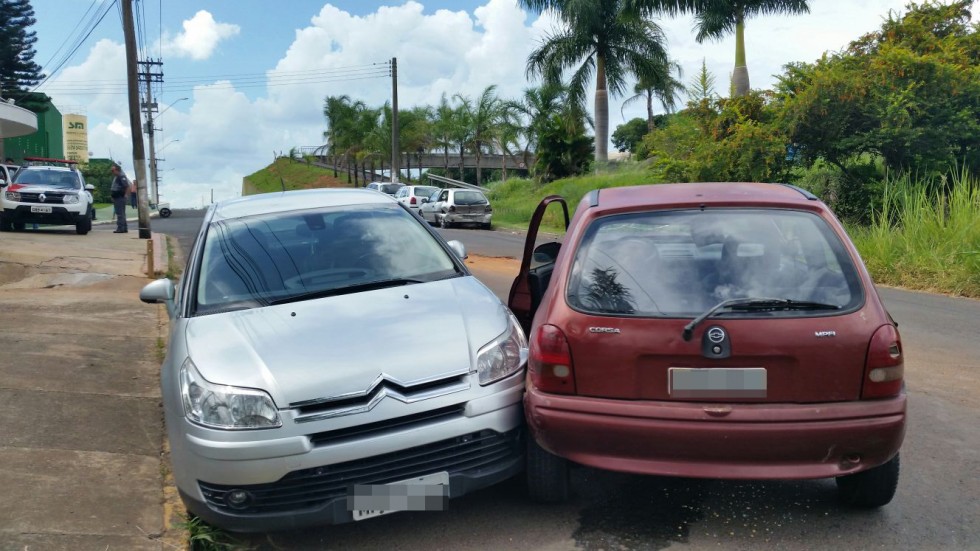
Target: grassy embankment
<point x="294" y="174"/>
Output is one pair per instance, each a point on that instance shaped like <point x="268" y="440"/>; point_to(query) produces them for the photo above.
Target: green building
<point x="48" y="141"/>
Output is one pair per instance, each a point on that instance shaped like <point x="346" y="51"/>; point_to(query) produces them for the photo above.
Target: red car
<point x="708" y="330"/>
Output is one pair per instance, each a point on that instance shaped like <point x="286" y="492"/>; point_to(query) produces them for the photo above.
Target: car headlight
<point x="69" y="199"/>
<point x="224" y="406"/>
<point x="502" y="356"/>
<point x="12" y="196"/>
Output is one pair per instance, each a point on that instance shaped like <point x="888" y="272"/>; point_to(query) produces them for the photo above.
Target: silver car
<point x="287" y="391"/>
<point x="457" y="206"/>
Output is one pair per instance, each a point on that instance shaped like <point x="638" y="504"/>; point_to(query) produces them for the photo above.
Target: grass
<point x="926" y="235"/>
<point x="201" y="536"/>
<point x="514" y="200"/>
<point x="294" y="175"/>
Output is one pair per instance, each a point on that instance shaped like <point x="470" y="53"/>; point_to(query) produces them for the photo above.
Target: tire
<point x="84" y="225"/>
<point x="165" y="213"/>
<point x="443" y="223"/>
<point x="488" y="226"/>
<point x="20" y="226"/>
<point x="870" y="489"/>
<point x="5" y="224"/>
<point x="547" y="474"/>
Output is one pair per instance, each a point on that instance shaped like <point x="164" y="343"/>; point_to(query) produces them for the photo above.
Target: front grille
<point x="324" y="408"/>
<point x="49" y="198"/>
<point x="311" y="488"/>
<point x="380" y="428"/>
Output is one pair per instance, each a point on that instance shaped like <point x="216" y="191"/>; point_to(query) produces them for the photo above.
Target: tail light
<point x="452" y="208"/>
<point x="885" y="367"/>
<point x="550" y="363"/>
<point x="412" y="200"/>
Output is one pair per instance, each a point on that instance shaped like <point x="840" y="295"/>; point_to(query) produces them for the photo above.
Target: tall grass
<point x="514" y="200"/>
<point x="926" y="235"/>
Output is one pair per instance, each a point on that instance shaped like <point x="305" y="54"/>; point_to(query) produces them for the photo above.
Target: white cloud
<point x="200" y="37"/>
<point x="118" y="128"/>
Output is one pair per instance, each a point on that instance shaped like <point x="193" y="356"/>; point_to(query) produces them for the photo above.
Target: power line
<point x="77" y="46"/>
<point x="71" y="34"/>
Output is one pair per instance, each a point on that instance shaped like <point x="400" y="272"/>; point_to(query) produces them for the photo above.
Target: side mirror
<point x="89" y="187"/>
<point x="160" y="291"/>
<point x="3" y="183"/>
<point x="545" y="253"/>
<point x="458" y="248"/>
<point x="424" y="200"/>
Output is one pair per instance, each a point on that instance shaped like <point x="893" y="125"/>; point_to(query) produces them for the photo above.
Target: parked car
<point x="7" y="172"/>
<point x="457" y="206"/>
<point x="286" y="385"/>
<point x="388" y="188"/>
<point x="411" y="196"/>
<point x="708" y="330"/>
<point x="47" y="191"/>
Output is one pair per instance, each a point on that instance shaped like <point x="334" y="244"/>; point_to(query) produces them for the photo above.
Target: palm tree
<point x="444" y="117"/>
<point x="716" y="19"/>
<point x="609" y="40"/>
<point x="662" y="86"/>
<point x="342" y="128"/>
<point x="538" y="106"/>
<point x="485" y="118"/>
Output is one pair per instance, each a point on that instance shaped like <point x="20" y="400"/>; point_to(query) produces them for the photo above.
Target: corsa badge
<point x="613" y="330"/>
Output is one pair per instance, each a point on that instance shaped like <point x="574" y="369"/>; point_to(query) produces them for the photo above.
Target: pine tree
<point x="18" y="72"/>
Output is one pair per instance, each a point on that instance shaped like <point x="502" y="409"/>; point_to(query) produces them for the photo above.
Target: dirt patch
<point x="327" y="181"/>
<point x="496" y="264"/>
<point x="12" y="273"/>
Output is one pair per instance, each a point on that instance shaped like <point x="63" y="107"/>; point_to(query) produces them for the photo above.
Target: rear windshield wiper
<point x="756" y="305"/>
<point x="357" y="288"/>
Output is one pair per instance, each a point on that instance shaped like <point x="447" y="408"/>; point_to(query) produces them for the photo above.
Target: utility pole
<point x="150" y="73"/>
<point x="395" y="153"/>
<point x="135" y="123"/>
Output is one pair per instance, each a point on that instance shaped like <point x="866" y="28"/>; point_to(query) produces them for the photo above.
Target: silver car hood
<point x="339" y="345"/>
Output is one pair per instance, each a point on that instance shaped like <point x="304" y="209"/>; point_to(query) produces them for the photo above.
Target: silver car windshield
<point x="269" y="259"/>
<point x="680" y="263"/>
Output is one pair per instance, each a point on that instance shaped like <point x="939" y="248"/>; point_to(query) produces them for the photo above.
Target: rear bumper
<point x="711" y="440"/>
<point x="482" y="218"/>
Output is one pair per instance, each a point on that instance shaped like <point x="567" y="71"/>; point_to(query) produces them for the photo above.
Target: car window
<point x="252" y="261"/>
<point x="680" y="263"/>
<point x="424" y="191"/>
<point x="391" y="188"/>
<point x="443" y="196"/>
<point x="403" y="192"/>
<point x="469" y="198"/>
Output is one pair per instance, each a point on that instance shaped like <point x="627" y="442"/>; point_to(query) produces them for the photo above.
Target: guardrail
<point x="451" y="182"/>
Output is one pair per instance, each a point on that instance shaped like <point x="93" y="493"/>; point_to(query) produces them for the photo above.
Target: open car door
<point x="537" y="265"/>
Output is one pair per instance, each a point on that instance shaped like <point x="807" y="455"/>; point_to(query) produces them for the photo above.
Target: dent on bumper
<point x="734" y="441"/>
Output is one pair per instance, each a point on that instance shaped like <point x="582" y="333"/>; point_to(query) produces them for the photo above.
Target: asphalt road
<point x="937" y="505"/>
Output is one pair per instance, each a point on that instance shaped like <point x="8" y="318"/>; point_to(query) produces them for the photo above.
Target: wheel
<point x="84" y="225"/>
<point x="422" y="214"/>
<point x="872" y="488"/>
<point x="5" y="224"/>
<point x="488" y="226"/>
<point x="165" y="213"/>
<point x="19" y="226"/>
<point x="443" y="223"/>
<point x="547" y="474"/>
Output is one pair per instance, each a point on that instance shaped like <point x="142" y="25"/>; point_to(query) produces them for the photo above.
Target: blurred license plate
<point x="42" y="210"/>
<point x="422" y="493"/>
<point x="719" y="382"/>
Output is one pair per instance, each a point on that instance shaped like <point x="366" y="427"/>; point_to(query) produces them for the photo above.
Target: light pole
<point x="153" y="154"/>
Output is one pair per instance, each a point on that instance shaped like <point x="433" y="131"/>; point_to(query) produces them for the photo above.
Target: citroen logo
<point x="42" y="197"/>
<point x="716" y="335"/>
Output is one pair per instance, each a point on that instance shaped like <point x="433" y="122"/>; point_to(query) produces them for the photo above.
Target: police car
<point x="47" y="191"/>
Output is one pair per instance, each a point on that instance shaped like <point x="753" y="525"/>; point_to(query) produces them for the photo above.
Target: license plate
<point x="422" y="493"/>
<point x="719" y="382"/>
<point x="40" y="209"/>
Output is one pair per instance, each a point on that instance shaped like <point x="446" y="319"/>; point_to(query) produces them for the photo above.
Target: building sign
<point x="76" y="137"/>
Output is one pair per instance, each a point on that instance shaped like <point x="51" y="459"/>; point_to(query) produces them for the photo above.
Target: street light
<point x="153" y="152"/>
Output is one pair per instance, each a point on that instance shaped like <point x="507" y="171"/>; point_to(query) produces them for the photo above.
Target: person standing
<point x="133" y="199"/>
<point x="117" y="191"/>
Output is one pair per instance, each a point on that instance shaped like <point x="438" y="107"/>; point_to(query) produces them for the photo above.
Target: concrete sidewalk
<point x="82" y="429"/>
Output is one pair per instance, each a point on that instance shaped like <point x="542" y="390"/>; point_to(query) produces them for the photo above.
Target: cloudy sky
<point x="245" y="79"/>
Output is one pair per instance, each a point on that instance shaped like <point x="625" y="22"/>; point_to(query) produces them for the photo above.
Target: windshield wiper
<point x="756" y="305"/>
<point x="359" y="287"/>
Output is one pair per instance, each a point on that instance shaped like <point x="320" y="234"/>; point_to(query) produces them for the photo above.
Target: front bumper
<point x="305" y="480"/>
<point x="58" y="215"/>
<point x="730" y="441"/>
